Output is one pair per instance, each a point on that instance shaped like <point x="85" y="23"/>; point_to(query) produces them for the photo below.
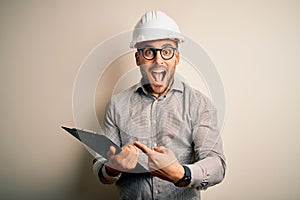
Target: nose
<point x="158" y="59"/>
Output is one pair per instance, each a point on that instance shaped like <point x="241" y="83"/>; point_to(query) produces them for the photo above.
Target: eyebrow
<point x="164" y="45"/>
<point x="167" y="45"/>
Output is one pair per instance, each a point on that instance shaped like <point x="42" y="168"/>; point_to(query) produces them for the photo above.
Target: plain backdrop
<point x="255" y="46"/>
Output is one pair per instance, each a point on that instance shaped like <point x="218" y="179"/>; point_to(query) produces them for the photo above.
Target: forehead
<point x="157" y="43"/>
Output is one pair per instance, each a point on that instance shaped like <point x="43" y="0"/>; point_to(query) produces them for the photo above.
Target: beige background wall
<point x="254" y="44"/>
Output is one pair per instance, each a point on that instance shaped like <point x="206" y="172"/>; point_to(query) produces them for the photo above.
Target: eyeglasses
<point x="150" y="53"/>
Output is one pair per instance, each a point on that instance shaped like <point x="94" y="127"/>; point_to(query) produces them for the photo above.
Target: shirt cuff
<point x="100" y="172"/>
<point x="199" y="179"/>
<point x="107" y="177"/>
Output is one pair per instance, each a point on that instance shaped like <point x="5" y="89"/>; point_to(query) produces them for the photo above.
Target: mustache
<point x="154" y="66"/>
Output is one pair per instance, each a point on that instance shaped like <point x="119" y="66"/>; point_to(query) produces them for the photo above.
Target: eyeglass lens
<point x="150" y="53"/>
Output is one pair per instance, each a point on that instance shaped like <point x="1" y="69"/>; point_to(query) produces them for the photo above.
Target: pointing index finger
<point x="142" y="147"/>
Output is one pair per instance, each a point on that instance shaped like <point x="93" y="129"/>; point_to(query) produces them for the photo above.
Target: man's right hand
<point x="124" y="161"/>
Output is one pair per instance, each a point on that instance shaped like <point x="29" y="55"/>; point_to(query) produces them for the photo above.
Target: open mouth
<point x="158" y="75"/>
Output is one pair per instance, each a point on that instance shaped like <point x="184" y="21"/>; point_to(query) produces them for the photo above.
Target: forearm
<point x="209" y="169"/>
<point x="207" y="172"/>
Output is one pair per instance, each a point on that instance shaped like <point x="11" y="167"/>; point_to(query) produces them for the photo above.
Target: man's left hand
<point x="162" y="162"/>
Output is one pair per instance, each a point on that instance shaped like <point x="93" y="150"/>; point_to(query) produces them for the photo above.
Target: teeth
<point x="158" y="71"/>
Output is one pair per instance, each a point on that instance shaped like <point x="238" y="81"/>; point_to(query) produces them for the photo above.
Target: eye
<point x="167" y="51"/>
<point x="148" y="52"/>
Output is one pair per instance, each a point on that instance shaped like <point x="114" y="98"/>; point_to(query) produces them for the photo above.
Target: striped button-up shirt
<point x="184" y="121"/>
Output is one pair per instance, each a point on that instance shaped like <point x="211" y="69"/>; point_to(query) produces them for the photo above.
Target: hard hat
<point x="155" y="25"/>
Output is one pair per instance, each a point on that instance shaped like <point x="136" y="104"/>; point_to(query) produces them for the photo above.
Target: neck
<point x="149" y="89"/>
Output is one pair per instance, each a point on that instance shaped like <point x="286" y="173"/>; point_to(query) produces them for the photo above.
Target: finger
<point x="134" y="149"/>
<point x="112" y="150"/>
<point x="130" y="148"/>
<point x="142" y="147"/>
<point x="160" y="149"/>
<point x="128" y="157"/>
<point x="127" y="153"/>
<point x="127" y="147"/>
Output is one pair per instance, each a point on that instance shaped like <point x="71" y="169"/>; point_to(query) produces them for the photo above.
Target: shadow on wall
<point x="88" y="186"/>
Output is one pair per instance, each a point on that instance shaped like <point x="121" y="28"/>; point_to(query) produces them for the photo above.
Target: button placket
<point x="153" y="122"/>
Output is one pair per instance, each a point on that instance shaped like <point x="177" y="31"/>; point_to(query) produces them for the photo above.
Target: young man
<point x="162" y="123"/>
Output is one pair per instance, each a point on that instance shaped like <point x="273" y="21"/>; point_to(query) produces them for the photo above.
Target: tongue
<point x="157" y="76"/>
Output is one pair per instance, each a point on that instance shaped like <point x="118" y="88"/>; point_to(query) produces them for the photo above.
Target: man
<point x="162" y="123"/>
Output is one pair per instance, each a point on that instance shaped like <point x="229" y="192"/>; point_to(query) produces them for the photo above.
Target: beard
<point x="158" y="80"/>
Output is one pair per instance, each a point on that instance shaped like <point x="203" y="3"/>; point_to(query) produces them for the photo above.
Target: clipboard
<point x="99" y="143"/>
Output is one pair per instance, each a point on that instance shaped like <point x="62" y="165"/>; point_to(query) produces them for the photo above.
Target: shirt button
<point x="157" y="191"/>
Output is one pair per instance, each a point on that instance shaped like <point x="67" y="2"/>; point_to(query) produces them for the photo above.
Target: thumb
<point x="111" y="152"/>
<point x="160" y="149"/>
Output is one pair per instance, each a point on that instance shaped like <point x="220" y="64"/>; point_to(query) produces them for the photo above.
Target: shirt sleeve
<point x="111" y="131"/>
<point x="209" y="168"/>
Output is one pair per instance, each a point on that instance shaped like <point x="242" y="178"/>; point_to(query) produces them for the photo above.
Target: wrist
<point x="111" y="171"/>
<point x="186" y="179"/>
<point x="179" y="175"/>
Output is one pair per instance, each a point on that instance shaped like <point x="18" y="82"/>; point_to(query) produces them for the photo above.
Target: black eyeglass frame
<point x="155" y="52"/>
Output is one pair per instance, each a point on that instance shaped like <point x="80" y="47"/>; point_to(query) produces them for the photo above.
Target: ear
<point x="177" y="57"/>
<point x="137" y="59"/>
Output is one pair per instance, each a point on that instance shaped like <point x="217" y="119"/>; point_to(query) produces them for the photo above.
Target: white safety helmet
<point x="155" y="25"/>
